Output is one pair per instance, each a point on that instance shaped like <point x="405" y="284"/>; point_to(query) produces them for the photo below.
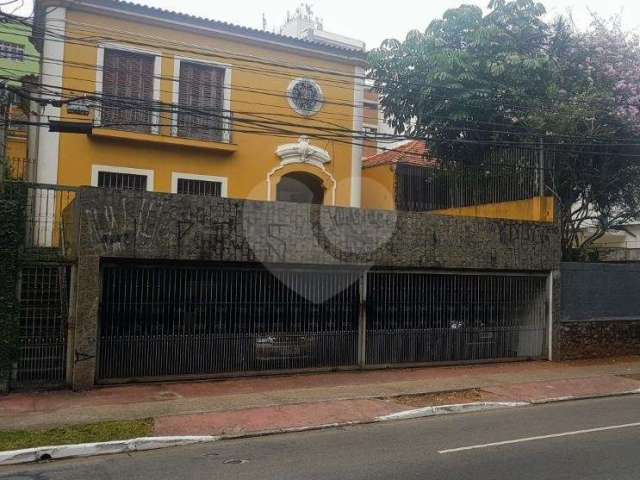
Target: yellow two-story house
<point x="149" y="99"/>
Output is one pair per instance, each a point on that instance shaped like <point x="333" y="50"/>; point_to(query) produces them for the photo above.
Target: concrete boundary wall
<point x="154" y="226"/>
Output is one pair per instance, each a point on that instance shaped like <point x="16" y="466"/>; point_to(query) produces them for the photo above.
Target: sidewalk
<point x="267" y="404"/>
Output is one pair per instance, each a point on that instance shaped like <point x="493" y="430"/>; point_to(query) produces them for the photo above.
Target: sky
<point x="371" y="20"/>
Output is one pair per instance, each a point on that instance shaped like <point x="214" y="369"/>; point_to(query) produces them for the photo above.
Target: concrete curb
<point x="450" y="409"/>
<point x="32" y="455"/>
<point x="583" y="397"/>
<point x="61" y="452"/>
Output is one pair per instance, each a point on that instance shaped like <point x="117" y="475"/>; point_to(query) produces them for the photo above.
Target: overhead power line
<point x="212" y="52"/>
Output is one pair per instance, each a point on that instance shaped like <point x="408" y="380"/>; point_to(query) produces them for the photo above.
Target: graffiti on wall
<point x="175" y="227"/>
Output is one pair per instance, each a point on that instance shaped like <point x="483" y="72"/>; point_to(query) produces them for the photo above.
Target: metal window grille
<point x="122" y="181"/>
<point x="164" y="321"/>
<point x="12" y="51"/>
<point x="201" y="115"/>
<point x="199" y="187"/>
<point x="44" y="301"/>
<point x="435" y="317"/>
<point x="127" y="90"/>
<point x="501" y="175"/>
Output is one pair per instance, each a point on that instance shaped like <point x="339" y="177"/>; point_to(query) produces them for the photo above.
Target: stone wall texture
<point x="162" y="226"/>
<point x="576" y="340"/>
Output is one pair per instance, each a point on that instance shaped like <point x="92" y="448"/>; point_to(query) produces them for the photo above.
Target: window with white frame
<point x="128" y="82"/>
<point x="370" y="132"/>
<point x="121" y="178"/>
<point x="202" y="98"/>
<point x="12" y="51"/>
<point x="201" y="185"/>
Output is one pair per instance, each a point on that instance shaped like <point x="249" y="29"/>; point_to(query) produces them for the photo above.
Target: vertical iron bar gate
<point x="165" y="321"/>
<point x="418" y="317"/>
<point x="162" y="321"/>
<point x="44" y="308"/>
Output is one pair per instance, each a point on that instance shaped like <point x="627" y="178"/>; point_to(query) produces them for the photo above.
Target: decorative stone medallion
<point x="305" y="96"/>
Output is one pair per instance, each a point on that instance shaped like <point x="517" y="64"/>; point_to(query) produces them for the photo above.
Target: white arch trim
<point x="302" y="153"/>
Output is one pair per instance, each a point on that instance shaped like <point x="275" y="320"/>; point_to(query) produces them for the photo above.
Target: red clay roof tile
<point x="415" y="152"/>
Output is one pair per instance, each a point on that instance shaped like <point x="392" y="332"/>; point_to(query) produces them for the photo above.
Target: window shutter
<point x="201" y="94"/>
<point x="127" y="90"/>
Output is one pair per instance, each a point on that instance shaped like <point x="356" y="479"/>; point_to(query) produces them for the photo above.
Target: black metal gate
<point x="44" y="309"/>
<point x="421" y="317"/>
<point x="168" y="320"/>
<point x="163" y="321"/>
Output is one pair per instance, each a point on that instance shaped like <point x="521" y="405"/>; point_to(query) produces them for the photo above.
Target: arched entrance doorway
<point x="300" y="187"/>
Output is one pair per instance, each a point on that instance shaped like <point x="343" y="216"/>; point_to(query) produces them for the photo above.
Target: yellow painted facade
<point x="249" y="162"/>
<point x="379" y="192"/>
<point x="378" y="188"/>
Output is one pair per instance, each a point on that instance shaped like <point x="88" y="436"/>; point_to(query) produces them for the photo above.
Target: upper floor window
<point x="128" y="81"/>
<point x="371" y="111"/>
<point x="12" y="51"/>
<point x="370" y="132"/>
<point x="202" y="111"/>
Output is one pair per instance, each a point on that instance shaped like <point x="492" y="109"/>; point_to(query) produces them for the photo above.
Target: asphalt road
<point x="595" y="439"/>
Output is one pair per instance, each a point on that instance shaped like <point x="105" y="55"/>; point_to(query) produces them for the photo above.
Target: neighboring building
<point x="380" y="137"/>
<point x="19" y="60"/>
<point x="18" y="57"/>
<point x="155" y="57"/>
<point x="371" y="122"/>
<point x="626" y="236"/>
<point x="303" y="24"/>
<point x="621" y="244"/>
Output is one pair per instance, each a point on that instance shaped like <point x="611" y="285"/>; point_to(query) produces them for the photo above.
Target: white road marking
<point x="541" y="437"/>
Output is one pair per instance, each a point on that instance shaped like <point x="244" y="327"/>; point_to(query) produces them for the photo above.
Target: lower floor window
<point x="122" y="181"/>
<point x="187" y="186"/>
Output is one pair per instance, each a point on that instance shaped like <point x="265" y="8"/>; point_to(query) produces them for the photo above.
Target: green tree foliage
<point x="471" y="82"/>
<point x="12" y="213"/>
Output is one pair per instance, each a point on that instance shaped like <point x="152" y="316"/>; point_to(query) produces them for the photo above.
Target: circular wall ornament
<point x="305" y="96"/>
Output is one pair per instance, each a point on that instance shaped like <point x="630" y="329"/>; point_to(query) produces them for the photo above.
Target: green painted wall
<point x="19" y="34"/>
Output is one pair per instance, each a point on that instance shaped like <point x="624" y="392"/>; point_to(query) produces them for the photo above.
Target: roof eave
<point x="128" y="11"/>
